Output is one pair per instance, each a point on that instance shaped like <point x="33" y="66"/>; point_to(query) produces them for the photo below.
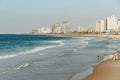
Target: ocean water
<point x="42" y="57"/>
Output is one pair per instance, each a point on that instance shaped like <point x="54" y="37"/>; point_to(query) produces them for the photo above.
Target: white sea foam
<point x="8" y="56"/>
<point x="23" y="66"/>
<point x="14" y="68"/>
<point x="108" y="57"/>
<point x="74" y="50"/>
<point x="83" y="43"/>
<point x="89" y="38"/>
<point x="36" y="49"/>
<point x="42" y="54"/>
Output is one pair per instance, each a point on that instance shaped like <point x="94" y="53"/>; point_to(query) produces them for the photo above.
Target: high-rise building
<point x="47" y="31"/>
<point x="65" y="27"/>
<point x="101" y="26"/>
<point x="98" y="26"/>
<point x="84" y="29"/>
<point x="60" y="28"/>
<point x="55" y="28"/>
<point x="112" y="23"/>
<point x="119" y="24"/>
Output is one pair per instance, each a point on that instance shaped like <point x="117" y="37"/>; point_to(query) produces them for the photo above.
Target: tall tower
<point x="65" y="27"/>
<point x="112" y="23"/>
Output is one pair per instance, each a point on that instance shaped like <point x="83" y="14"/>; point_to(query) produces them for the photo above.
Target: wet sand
<point x="106" y="70"/>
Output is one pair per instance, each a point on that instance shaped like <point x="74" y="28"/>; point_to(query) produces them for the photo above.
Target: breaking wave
<point x="36" y="49"/>
<point x="23" y="66"/>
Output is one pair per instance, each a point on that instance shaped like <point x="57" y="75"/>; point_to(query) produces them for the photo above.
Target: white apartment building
<point x="80" y="29"/>
<point x="56" y="28"/>
<point x="47" y="31"/>
<point x="101" y="26"/>
<point x="98" y="26"/>
<point x="60" y="28"/>
<point x="84" y="29"/>
<point x="112" y="24"/>
<point x="41" y="30"/>
<point x="119" y="24"/>
<point x="65" y="27"/>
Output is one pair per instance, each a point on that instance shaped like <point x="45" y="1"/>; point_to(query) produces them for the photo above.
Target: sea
<point x="50" y="57"/>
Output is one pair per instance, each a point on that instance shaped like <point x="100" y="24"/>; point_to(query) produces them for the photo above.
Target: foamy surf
<point x="23" y="66"/>
<point x="36" y="49"/>
<point x="108" y="57"/>
<point x="15" y="68"/>
<point x="8" y="56"/>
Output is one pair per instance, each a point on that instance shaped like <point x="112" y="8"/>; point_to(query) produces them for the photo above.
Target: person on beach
<point x="98" y="57"/>
<point x="115" y="57"/>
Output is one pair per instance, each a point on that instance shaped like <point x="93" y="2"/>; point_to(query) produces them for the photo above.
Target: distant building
<point x="80" y="29"/>
<point x="47" y="31"/>
<point x="65" y="27"/>
<point x="35" y="31"/>
<point x="84" y="29"/>
<point x="55" y="28"/>
<point x="41" y="30"/>
<point x="112" y="23"/>
<point x="101" y="26"/>
<point x="119" y="24"/>
<point x="60" y="28"/>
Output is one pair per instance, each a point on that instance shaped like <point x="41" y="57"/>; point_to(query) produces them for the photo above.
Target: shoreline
<point x="76" y="35"/>
<point x="86" y="35"/>
<point x="106" y="70"/>
<point x="90" y="71"/>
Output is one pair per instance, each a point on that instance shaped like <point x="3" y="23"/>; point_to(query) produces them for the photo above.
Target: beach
<point x="106" y="70"/>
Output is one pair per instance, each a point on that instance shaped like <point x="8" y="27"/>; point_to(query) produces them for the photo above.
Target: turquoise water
<point x="41" y="57"/>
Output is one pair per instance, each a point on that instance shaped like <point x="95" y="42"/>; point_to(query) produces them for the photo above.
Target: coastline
<point x="111" y="36"/>
<point x="95" y="35"/>
<point x="106" y="70"/>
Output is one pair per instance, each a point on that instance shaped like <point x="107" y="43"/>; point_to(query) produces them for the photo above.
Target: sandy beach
<point x="106" y="70"/>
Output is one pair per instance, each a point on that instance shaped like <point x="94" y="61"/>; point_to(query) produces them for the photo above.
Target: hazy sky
<point x="25" y="15"/>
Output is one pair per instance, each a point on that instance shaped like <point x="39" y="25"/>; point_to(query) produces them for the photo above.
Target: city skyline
<point x="25" y="15"/>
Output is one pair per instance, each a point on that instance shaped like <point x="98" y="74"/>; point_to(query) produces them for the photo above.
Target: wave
<point x="83" y="43"/>
<point x="59" y="55"/>
<point x="15" y="68"/>
<point x="23" y="66"/>
<point x="36" y="49"/>
<point x="107" y="57"/>
<point x="8" y="56"/>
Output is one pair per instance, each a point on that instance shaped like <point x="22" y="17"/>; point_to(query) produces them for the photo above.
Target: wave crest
<point x="23" y="66"/>
<point x="36" y="49"/>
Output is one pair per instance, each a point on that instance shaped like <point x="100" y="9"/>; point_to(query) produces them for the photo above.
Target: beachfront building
<point x="65" y="27"/>
<point x="84" y="29"/>
<point x="119" y="24"/>
<point x="112" y="24"/>
<point x="55" y="28"/>
<point x="60" y="28"/>
<point x="80" y="29"/>
<point x="47" y="31"/>
<point x="101" y="26"/>
<point x="98" y="26"/>
<point x="41" y="30"/>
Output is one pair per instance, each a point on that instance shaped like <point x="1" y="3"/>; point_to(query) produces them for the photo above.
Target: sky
<point x="21" y="16"/>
